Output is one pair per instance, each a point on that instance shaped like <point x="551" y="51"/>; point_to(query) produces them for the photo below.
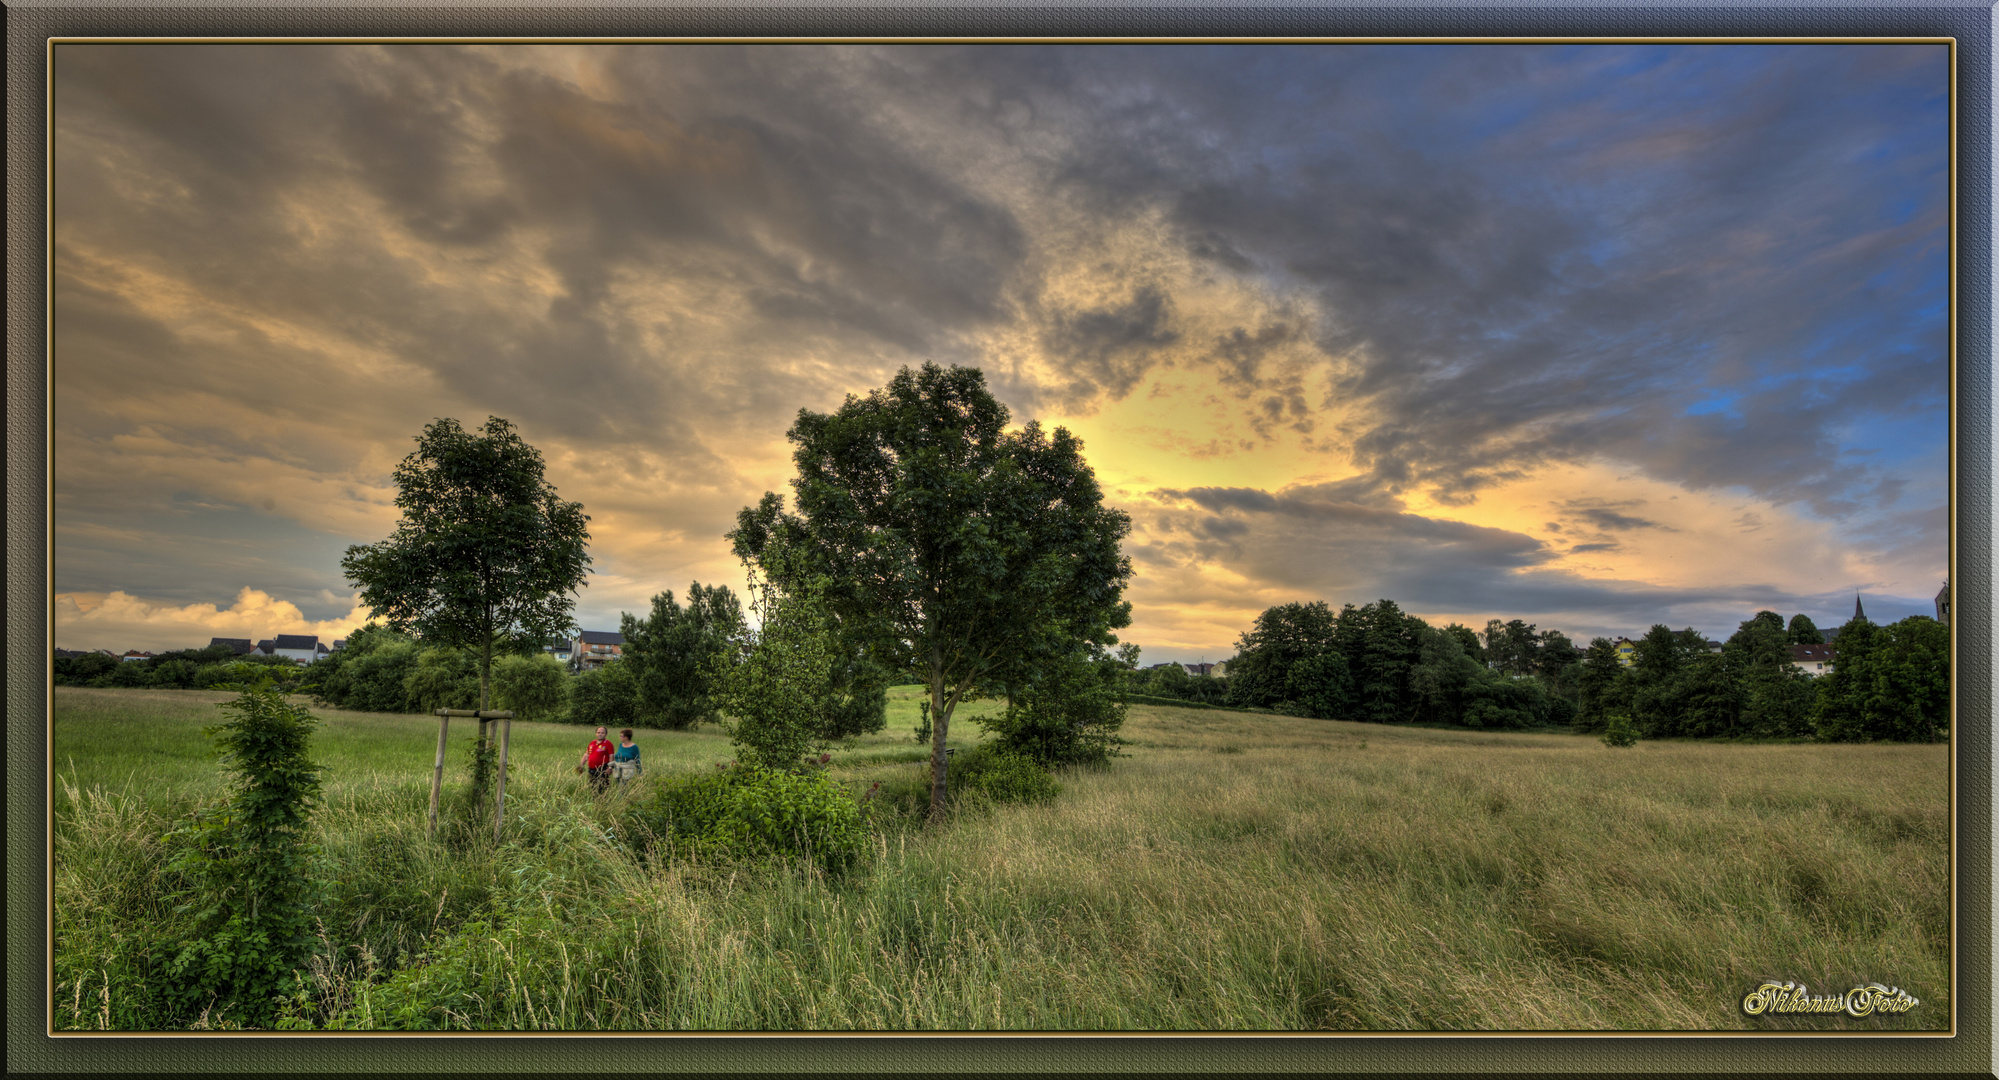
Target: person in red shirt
<point x="597" y="759"/>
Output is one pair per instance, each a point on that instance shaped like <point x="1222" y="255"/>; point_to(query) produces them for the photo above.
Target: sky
<point x="1596" y="336"/>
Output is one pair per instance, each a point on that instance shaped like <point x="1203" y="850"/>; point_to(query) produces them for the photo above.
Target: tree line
<point x="1375" y="663"/>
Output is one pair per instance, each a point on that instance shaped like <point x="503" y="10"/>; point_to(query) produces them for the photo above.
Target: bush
<point x="1006" y="776"/>
<point x="369" y="674"/>
<point x="751" y="813"/>
<point x="1618" y="731"/>
<point x="606" y="697"/>
<point x="1069" y="715"/>
<point x="531" y="687"/>
<point x="444" y="678"/>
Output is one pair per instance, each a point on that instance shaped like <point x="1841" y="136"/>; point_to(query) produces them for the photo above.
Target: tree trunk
<point x="940" y="723"/>
<point x="486" y="674"/>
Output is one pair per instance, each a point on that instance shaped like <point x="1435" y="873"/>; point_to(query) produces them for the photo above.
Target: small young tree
<point x="771" y="696"/>
<point x="486" y="556"/>
<point x="1619" y="731"/>
<point x="247" y="865"/>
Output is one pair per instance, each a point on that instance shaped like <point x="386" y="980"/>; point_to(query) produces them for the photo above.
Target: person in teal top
<point x="626" y="761"/>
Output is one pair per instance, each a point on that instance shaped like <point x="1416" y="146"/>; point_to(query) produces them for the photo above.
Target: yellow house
<point x="1627" y="652"/>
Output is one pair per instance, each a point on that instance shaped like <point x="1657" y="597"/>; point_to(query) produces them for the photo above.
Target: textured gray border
<point x="28" y="1049"/>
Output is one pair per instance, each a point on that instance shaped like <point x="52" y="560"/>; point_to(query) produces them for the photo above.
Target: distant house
<point x="1219" y="669"/>
<point x="1199" y="669"/>
<point x="300" y="648"/>
<point x="1814" y="660"/>
<point x="135" y="654"/>
<point x="1627" y="652"/>
<point x="1943" y="603"/>
<point x="266" y="647"/>
<point x="595" y="648"/>
<point x="241" y="646"/>
<point x="562" y="650"/>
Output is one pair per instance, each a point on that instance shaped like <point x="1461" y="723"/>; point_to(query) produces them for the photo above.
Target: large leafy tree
<point x="954" y="548"/>
<point x="1887" y="682"/>
<point x="1266" y="671"/>
<point x="486" y="556"/>
<point x="1390" y="648"/>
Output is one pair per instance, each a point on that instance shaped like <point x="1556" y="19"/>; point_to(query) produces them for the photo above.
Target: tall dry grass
<point x="1234" y="872"/>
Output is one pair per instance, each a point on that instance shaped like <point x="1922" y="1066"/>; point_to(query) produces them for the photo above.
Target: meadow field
<point x="1234" y="872"/>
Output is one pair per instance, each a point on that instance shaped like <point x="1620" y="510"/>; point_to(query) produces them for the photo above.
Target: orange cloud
<point x="119" y="621"/>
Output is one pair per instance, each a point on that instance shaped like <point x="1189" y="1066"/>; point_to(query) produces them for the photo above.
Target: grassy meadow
<point x="1233" y="872"/>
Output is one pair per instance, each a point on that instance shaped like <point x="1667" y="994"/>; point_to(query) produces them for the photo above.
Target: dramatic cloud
<point x="1597" y="333"/>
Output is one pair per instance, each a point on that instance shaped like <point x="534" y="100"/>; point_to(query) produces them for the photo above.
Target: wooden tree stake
<point x="500" y="796"/>
<point x="437" y="777"/>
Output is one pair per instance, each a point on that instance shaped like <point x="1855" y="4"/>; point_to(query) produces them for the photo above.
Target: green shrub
<point x="444" y="678"/>
<point x="606" y="697"/>
<point x="1069" y="713"/>
<point x="531" y="687"/>
<point x="1005" y="775"/>
<point x="752" y="813"/>
<point x="1618" y="731"/>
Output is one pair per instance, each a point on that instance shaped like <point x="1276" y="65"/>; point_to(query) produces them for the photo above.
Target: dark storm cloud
<point x="1605" y="517"/>
<point x="1106" y="350"/>
<point x="1579" y="263"/>
<point x="1300" y="544"/>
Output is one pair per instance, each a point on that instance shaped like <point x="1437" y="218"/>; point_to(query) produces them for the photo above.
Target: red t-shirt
<point x="600" y="753"/>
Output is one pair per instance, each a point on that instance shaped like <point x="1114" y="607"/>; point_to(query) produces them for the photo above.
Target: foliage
<point x="1260" y="674"/>
<point x="485" y="555"/>
<point x="1006" y="775"/>
<point x="1619" y="731"/>
<point x="370" y="673"/>
<point x="247" y="867"/>
<point x="1887" y="682"/>
<point x="81" y="670"/>
<point x="1803" y="632"/>
<point x="773" y="695"/>
<point x="1512" y="646"/>
<point x="605" y="697"/>
<point x="1069" y="712"/>
<point x="1468" y="641"/>
<point x="1172" y="682"/>
<point x="443" y="678"/>
<point x="752" y="813"/>
<point x="1597" y="683"/>
<point x="949" y="545"/>
<point x="531" y="687"/>
<point x="673" y="654"/>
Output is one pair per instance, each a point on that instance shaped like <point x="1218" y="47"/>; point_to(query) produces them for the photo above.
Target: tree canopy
<point x="952" y="547"/>
<point x="671" y="654"/>
<point x="486" y="553"/>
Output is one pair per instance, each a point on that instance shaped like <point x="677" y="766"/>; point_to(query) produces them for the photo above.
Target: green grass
<point x="1235" y="872"/>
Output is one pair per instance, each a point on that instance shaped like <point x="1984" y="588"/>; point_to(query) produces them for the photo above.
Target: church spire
<point x="1857" y="613"/>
